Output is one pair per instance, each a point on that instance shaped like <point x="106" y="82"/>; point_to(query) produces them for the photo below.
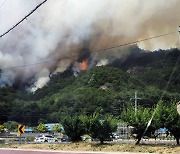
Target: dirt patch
<point x="99" y="147"/>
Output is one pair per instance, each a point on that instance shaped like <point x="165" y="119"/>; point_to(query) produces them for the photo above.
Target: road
<point x="18" y="151"/>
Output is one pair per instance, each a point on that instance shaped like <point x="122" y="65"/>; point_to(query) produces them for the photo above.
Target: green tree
<point x="101" y="128"/>
<point x="7" y="96"/>
<point x="57" y="128"/>
<point x="11" y="126"/>
<point x="41" y="120"/>
<point x="42" y="128"/>
<point x="1" y="128"/>
<point x="169" y="118"/>
<point x="75" y="127"/>
<point x="139" y="121"/>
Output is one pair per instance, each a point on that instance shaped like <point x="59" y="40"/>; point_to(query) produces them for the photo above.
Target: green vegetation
<point x="11" y="126"/>
<point x="1" y="128"/>
<point x="42" y="128"/>
<point x="139" y="121"/>
<point x="7" y="96"/>
<point x="101" y="127"/>
<point x="98" y="127"/>
<point x="75" y="127"/>
<point x="165" y="116"/>
<point x="57" y="128"/>
<point x="106" y="90"/>
<point x="169" y="118"/>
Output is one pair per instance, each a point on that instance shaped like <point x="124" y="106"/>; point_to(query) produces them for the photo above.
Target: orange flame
<point x="84" y="65"/>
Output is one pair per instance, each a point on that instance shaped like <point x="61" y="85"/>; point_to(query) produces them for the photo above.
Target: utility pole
<point x="135" y="101"/>
<point x="178" y="107"/>
<point x="178" y="104"/>
<point x="179" y="38"/>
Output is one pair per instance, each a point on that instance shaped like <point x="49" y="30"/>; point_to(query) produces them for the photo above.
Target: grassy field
<point x="98" y="147"/>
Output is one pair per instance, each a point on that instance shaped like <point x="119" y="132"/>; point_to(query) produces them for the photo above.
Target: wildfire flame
<point x="84" y="65"/>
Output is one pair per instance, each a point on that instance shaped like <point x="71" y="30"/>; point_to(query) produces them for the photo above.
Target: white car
<point x="116" y="136"/>
<point x="45" y="138"/>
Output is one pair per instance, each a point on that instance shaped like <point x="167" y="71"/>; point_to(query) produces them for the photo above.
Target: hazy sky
<point x="62" y="28"/>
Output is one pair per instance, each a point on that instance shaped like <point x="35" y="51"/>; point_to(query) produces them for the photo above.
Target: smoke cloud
<point x="62" y="28"/>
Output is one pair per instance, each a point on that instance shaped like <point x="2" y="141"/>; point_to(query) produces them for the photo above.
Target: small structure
<point x="123" y="131"/>
<point x="50" y="126"/>
<point x="28" y="130"/>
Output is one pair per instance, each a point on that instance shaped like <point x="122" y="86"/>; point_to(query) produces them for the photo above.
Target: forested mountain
<point x="156" y="69"/>
<point x="105" y="89"/>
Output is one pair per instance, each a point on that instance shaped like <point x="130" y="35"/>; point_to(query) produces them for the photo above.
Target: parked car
<point x="45" y="138"/>
<point x="65" y="138"/>
<point x="115" y="136"/>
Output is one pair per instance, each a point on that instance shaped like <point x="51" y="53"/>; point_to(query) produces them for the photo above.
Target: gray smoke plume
<point x="62" y="28"/>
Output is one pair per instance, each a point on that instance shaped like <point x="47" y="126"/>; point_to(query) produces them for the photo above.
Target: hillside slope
<point x="105" y="89"/>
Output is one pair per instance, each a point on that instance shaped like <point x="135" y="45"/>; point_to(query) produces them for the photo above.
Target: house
<point x="51" y="125"/>
<point x="28" y="130"/>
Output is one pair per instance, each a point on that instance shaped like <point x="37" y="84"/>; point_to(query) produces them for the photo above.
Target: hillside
<point x="105" y="89"/>
<point x="157" y="69"/>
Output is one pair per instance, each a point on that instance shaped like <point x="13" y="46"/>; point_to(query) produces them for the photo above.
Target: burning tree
<point x="84" y="65"/>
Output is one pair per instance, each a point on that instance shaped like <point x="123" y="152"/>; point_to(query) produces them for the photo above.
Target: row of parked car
<point x="52" y="139"/>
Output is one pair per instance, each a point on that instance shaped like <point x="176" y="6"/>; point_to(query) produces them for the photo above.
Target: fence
<point x="124" y="132"/>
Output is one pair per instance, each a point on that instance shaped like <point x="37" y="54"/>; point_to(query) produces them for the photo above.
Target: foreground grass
<point x="98" y="147"/>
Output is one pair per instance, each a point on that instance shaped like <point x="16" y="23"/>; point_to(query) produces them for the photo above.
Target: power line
<point x="117" y="46"/>
<point x="131" y="43"/>
<point x="43" y="62"/>
<point x="23" y="19"/>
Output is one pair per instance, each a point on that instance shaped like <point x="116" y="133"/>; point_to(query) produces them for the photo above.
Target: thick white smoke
<point x="59" y="28"/>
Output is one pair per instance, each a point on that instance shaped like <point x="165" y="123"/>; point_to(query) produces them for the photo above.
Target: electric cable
<point x="117" y="46"/>
<point x="131" y="43"/>
<point x="23" y="19"/>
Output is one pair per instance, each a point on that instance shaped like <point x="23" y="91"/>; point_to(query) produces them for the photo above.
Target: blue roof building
<point x="50" y="126"/>
<point x="28" y="130"/>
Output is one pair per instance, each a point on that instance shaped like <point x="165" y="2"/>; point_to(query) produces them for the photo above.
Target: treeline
<point x="146" y="121"/>
<point x="143" y="122"/>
